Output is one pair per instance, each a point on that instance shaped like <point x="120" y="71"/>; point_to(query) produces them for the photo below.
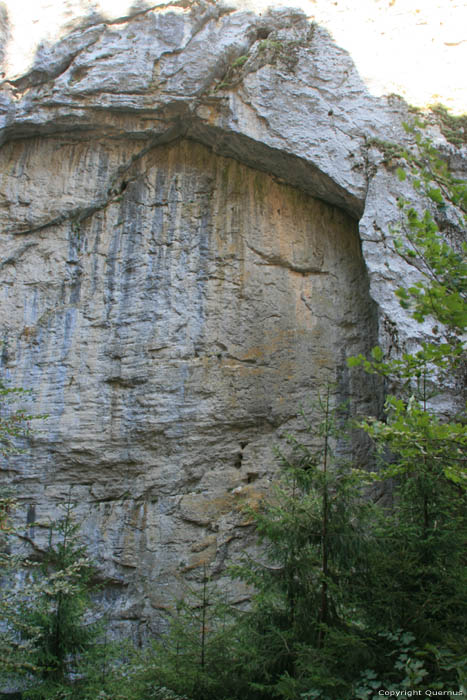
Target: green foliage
<point x="14" y="420"/>
<point x="442" y="294"/>
<point x="411" y="668"/>
<point x="108" y="670"/>
<point x="417" y="575"/>
<point x="42" y="630"/>
<point x="454" y="128"/>
<point x="64" y="579"/>
<point x="17" y="635"/>
<point x="196" y="658"/>
<point x="238" y="63"/>
<point x="302" y="631"/>
<point x="270" y="45"/>
<point x="349" y="598"/>
<point x="410" y="425"/>
<point x="390" y="151"/>
<point x="45" y="628"/>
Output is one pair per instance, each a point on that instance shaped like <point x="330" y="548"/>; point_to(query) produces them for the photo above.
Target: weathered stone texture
<point x="182" y="268"/>
<point x="171" y="335"/>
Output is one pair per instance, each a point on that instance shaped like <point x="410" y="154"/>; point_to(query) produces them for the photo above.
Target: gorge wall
<point x="194" y="220"/>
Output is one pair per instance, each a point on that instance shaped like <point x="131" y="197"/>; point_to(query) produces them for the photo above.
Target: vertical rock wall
<point x="171" y="333"/>
<point x="194" y="209"/>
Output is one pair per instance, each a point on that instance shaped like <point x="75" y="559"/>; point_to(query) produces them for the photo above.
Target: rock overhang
<point x="271" y="107"/>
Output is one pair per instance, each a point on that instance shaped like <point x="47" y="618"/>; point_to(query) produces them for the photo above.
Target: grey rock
<point x="193" y="242"/>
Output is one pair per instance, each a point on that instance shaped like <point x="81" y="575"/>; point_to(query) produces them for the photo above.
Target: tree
<point x="41" y="625"/>
<point x="196" y="657"/>
<point x="418" y="575"/>
<point x="329" y="600"/>
<point x="63" y="583"/>
<point x="302" y="636"/>
<point x="17" y="636"/>
<point x="43" y="631"/>
<point x="14" y="420"/>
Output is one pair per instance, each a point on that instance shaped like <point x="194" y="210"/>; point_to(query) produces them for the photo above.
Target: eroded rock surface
<point x="182" y="268"/>
<point x="171" y="335"/>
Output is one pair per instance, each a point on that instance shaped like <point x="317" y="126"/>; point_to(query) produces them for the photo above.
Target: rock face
<point x="170" y="336"/>
<point x="182" y="267"/>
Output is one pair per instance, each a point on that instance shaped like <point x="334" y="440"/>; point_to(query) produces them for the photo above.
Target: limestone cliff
<point x="193" y="226"/>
